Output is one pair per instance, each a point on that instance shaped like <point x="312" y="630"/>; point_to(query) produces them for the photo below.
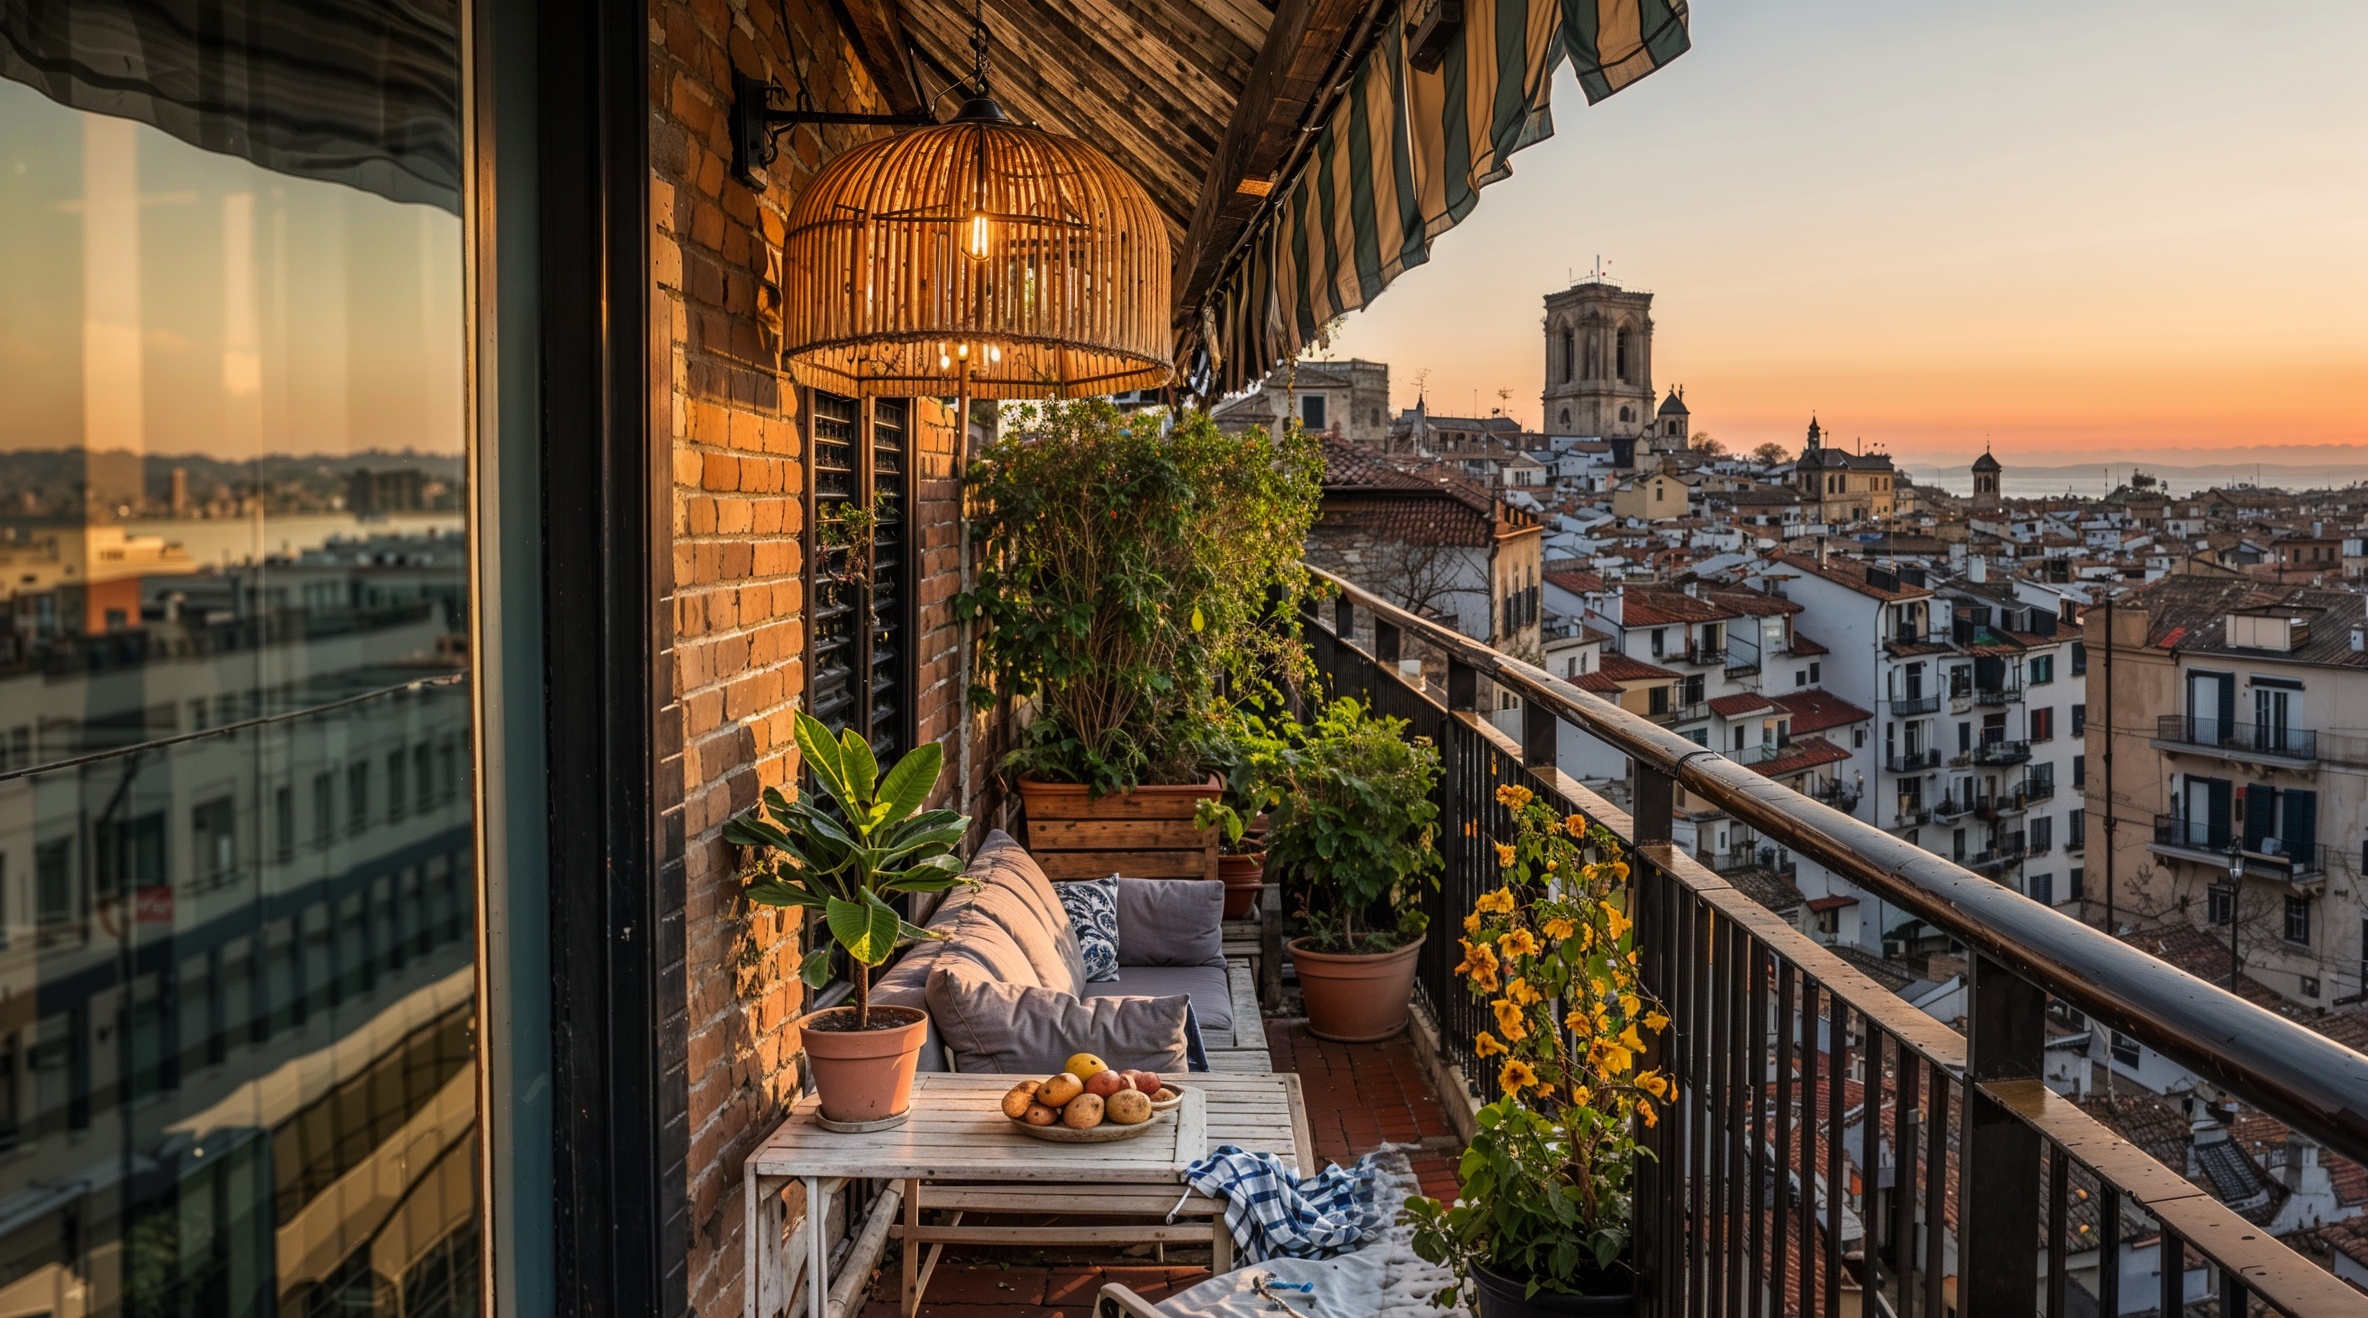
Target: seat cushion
<point x="1212" y="996"/>
<point x="1171" y="922"/>
<point x="1006" y="1029"/>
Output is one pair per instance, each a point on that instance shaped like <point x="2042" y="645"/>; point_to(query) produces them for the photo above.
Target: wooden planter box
<point x="1147" y="833"/>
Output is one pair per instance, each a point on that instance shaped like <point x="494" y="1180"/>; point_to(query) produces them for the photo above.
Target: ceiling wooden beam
<point x="1302" y="43"/>
<point x="876" y="32"/>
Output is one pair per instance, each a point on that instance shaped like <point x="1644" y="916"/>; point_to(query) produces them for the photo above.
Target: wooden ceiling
<point x="1195" y="98"/>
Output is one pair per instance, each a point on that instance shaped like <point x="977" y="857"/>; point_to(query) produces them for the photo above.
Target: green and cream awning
<point x="1401" y="159"/>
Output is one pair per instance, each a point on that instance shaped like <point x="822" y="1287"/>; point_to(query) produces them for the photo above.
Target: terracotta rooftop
<point x="2190" y="614"/>
<point x="1621" y="668"/>
<point x="1848" y="573"/>
<point x="1736" y="706"/>
<point x="1816" y="710"/>
<point x="1646" y="607"/>
<point x="1805" y="753"/>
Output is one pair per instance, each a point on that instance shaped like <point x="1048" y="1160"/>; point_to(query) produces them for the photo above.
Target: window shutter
<point x="2216" y="811"/>
<point x="2260" y="814"/>
<point x="2302" y="823"/>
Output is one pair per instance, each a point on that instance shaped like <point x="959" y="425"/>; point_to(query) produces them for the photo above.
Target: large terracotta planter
<point x="1613" y="1296"/>
<point x="1148" y="833"/>
<point x="1356" y="997"/>
<point x="864" y="1077"/>
<point x="1245" y="878"/>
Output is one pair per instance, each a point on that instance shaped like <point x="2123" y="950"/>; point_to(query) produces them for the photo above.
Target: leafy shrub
<point x="1353" y="821"/>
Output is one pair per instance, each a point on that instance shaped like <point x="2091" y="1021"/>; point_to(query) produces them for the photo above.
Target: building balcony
<point x="2248" y="742"/>
<point x="1706" y="655"/>
<point x="2207" y="842"/>
<point x="1993" y="807"/>
<point x="1910" y="816"/>
<point x="1912" y="705"/>
<point x="1911" y="761"/>
<point x="1998" y="695"/>
<point x="1950" y="809"/>
<point x="1765" y="995"/>
<point x="1755" y="856"/>
<point x="2035" y="790"/>
<point x="1834" y="792"/>
<point x="1680" y="715"/>
<point x="2002" y="752"/>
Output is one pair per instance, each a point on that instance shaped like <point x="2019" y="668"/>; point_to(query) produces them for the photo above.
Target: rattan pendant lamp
<point x="978" y="257"/>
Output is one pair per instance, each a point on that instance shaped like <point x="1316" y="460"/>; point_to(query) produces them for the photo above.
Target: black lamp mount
<point x="757" y="123"/>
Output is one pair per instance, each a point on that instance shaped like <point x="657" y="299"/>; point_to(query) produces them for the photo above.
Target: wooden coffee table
<point x="959" y="1154"/>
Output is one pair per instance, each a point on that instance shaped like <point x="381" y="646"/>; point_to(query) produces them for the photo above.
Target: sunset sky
<point x="2073" y="230"/>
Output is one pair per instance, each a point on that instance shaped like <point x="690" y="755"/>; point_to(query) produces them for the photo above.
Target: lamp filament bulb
<point x="977" y="246"/>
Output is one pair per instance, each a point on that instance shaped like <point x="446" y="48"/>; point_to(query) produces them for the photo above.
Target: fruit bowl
<point x="1105" y="1133"/>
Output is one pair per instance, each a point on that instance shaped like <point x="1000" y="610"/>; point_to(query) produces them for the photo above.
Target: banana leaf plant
<point x="842" y="855"/>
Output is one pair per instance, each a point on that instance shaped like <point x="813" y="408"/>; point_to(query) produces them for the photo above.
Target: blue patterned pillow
<point x="1093" y="916"/>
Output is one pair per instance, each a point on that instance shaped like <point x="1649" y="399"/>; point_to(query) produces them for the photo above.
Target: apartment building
<point x="2236" y="794"/>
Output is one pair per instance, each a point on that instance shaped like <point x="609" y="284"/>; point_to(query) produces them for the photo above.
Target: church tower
<point x="1985" y="483"/>
<point x="1599" y="361"/>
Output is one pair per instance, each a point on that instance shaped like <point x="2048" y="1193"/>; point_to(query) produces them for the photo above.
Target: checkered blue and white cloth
<point x="1275" y="1214"/>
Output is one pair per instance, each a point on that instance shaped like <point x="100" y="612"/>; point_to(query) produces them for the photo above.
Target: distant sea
<point x="229" y="541"/>
<point x="2099" y="478"/>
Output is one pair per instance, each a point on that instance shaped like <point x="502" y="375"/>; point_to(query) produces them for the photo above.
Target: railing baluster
<point x="1463" y="686"/>
<point x="2006" y="1033"/>
<point x="1738" y="1087"/>
<point x="1782" y="1116"/>
<point x="1541" y="734"/>
<point x="1806" y="1210"/>
<point x="2109" y="1250"/>
<point x="1723" y="1263"/>
<point x="1907" y="1126"/>
<point x="1756" y="1166"/>
<point x="1836" y="1191"/>
<point x="1388" y="643"/>
<point x="1697" y="1052"/>
<point x="2059" y="1171"/>
<point x="2232" y="1294"/>
<point x="1870" y="1164"/>
<point x="2173" y="1276"/>
<point x="1344" y="618"/>
<point x="1936" y="1192"/>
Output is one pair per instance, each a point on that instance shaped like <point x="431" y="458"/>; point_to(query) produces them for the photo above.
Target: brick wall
<point x="729" y="413"/>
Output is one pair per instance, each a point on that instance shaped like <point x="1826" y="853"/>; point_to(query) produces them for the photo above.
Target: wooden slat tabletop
<point x="958" y="1133"/>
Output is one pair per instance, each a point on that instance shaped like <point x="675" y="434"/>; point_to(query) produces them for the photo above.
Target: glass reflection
<point x="236" y="889"/>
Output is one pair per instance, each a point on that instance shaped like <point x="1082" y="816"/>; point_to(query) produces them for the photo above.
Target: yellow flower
<point x="1472" y="923"/>
<point x="1630" y="1003"/>
<point x="1610" y="1058"/>
<point x="1508" y="1019"/>
<point x="1577" y="1021"/>
<point x="1514" y="796"/>
<point x="1519" y="942"/>
<point x="1484" y="980"/>
<point x="1619" y="869"/>
<point x="1575" y="825"/>
<point x="1479" y="962"/>
<point x="1560" y="928"/>
<point x="1519" y="991"/>
<point x="1619" y="923"/>
<point x="1499" y="902"/>
<point x="1654" y="1083"/>
<point x="1580" y="1094"/>
<point x="1504" y="856"/>
<point x="1630" y="1041"/>
<point x="1644" y="1110"/>
<point x="1655" y="1021"/>
<point x="1487" y="1046"/>
<point x="1516" y="1076"/>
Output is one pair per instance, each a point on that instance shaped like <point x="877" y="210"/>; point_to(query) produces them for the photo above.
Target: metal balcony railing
<point x="1706" y="654"/>
<point x="1911" y="761"/>
<point x="1991" y="807"/>
<point x="1757" y="855"/>
<point x="1691" y="712"/>
<point x="2208" y="840"/>
<point x="1753" y="1189"/>
<point x="2035" y="790"/>
<point x="2252" y="739"/>
<point x="1906" y="706"/>
<point x="1952" y="808"/>
<point x="1910" y="816"/>
<point x="2001" y="752"/>
<point x="1834" y="792"/>
<point x="1998" y="695"/>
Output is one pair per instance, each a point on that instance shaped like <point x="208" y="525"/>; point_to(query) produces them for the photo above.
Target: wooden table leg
<point x="912" y="1248"/>
<point x="1220" y="1246"/>
<point x="817" y="1249"/>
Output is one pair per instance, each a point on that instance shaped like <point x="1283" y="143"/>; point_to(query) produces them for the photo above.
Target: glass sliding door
<point x="237" y="876"/>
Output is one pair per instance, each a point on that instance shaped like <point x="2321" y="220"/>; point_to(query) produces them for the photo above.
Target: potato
<point x="1019" y="1100"/>
<point x="1084" y="1112"/>
<point x="1166" y="1095"/>
<point x="1057" y="1091"/>
<point x="1128" y="1107"/>
<point x="1040" y="1115"/>
<point x="1105" y="1083"/>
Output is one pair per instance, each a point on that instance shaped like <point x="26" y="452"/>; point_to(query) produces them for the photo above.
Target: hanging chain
<point x="978" y="43"/>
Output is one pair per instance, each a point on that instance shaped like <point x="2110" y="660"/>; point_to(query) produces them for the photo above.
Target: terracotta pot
<point x="1245" y="878"/>
<point x="1147" y="833"/>
<point x="1356" y="997"/>
<point x="1609" y="1295"/>
<point x="864" y="1075"/>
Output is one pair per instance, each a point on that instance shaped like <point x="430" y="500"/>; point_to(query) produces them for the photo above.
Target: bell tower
<point x="1599" y="361"/>
<point x="1985" y="483"/>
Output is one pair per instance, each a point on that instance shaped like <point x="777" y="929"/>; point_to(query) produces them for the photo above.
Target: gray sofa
<point x="1010" y="953"/>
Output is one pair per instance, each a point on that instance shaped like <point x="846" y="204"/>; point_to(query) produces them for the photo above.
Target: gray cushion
<point x="1007" y="1029"/>
<point x="1171" y="922"/>
<point x="1015" y="893"/>
<point x="1212" y="997"/>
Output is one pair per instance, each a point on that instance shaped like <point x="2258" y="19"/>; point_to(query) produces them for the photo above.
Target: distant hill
<point x="2101" y="477"/>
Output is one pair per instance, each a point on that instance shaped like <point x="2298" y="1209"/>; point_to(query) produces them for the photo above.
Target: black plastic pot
<point x="1612" y="1294"/>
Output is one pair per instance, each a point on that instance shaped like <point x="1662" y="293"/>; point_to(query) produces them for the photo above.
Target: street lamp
<point x="2236" y="886"/>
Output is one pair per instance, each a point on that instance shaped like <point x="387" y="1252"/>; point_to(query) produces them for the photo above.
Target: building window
<point x="57" y="909"/>
<point x="1311" y="411"/>
<point x="861" y="459"/>
<point x="2076" y="828"/>
<point x="2043" y="834"/>
<point x="2043" y="725"/>
<point x="2079" y="719"/>
<point x="1814" y="679"/>
<point x="2219" y="903"/>
<point x="1800" y="679"/>
<point x="2298" y="921"/>
<point x="357" y="796"/>
<point x="2125" y="1049"/>
<point x="1660" y="641"/>
<point x="2080" y="771"/>
<point x="283" y="824"/>
<point x="2043" y="669"/>
<point x="214" y="837"/>
<point x="2079" y="658"/>
<point x="324" y="808"/>
<point x="1858" y="737"/>
<point x="2074" y="882"/>
<point x="397" y="799"/>
<point x="2041" y="888"/>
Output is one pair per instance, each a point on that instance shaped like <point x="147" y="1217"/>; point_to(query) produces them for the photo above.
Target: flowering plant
<point x="1545" y="1181"/>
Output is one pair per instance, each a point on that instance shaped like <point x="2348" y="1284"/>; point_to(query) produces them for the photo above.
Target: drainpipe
<point x="2112" y="817"/>
<point x="963" y="570"/>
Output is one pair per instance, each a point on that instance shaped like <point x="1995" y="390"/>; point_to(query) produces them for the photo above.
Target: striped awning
<point x="1403" y="156"/>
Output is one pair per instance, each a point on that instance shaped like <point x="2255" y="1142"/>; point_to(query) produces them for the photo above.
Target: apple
<point x="1102" y="1084"/>
<point x="1146" y="1082"/>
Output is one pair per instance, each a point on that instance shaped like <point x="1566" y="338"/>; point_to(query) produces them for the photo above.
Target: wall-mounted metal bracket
<point x="756" y="124"/>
